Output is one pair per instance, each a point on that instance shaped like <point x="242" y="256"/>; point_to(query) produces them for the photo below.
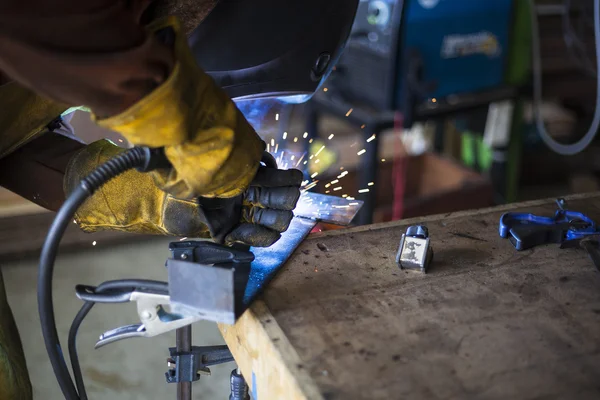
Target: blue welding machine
<point x="462" y="46"/>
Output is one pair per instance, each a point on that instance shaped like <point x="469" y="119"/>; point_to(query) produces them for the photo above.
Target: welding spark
<point x="317" y="161"/>
<point x="182" y="239"/>
<point x="284" y="135"/>
<point x="272" y="142"/>
<point x="371" y="138"/>
<point x="305" y="135"/>
<point x="360" y="153"/>
<point x="370" y="183"/>
<point x="121" y="140"/>
<point x="337" y="188"/>
<point x="350" y="198"/>
<point x="341" y="168"/>
<point x="312" y="185"/>
<point x="300" y="159"/>
<point x="362" y="126"/>
<point x="333" y="182"/>
<point x="353" y="204"/>
<point x="363" y="191"/>
<point x="344" y="195"/>
<point x="94" y="243"/>
<point x="325" y="89"/>
<point x="74" y="221"/>
<point x="344" y="206"/>
<point x="434" y="100"/>
<point x="327" y="191"/>
<point x="268" y="148"/>
<point x="292" y="157"/>
<point x="295" y="139"/>
<point x="383" y="160"/>
<point x="276" y="117"/>
<point x="310" y="140"/>
<point x="313" y="175"/>
<point x="320" y="150"/>
<point x="305" y="162"/>
<point x="311" y="157"/>
<point x="276" y="147"/>
<point x="349" y="112"/>
<point x="304" y="183"/>
<point x="330" y="137"/>
<point x="327" y="185"/>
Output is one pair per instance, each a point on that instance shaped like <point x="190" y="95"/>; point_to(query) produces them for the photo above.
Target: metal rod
<point x="183" y="343"/>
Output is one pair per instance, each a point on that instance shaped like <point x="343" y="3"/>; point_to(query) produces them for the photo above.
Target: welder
<point x="131" y="66"/>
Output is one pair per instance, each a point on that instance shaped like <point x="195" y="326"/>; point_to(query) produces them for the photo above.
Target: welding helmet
<point x="272" y="48"/>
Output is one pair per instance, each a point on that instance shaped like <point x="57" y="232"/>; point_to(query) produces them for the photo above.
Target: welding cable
<point x="139" y="157"/>
<point x="72" y="345"/>
<point x="560" y="148"/>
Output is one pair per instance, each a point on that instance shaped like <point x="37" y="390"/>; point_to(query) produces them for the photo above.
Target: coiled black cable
<point x="138" y="157"/>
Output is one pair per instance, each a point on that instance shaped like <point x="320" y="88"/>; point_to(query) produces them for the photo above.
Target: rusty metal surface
<point x="486" y="322"/>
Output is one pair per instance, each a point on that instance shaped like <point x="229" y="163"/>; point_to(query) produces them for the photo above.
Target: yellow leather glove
<point x="130" y="202"/>
<point x="213" y="149"/>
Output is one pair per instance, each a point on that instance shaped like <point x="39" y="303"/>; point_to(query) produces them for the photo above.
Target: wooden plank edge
<point x="266" y="358"/>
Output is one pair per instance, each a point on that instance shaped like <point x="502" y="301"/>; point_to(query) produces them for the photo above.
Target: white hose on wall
<point x="564" y="149"/>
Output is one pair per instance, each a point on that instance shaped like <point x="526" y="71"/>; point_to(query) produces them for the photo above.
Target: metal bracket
<point x="189" y="366"/>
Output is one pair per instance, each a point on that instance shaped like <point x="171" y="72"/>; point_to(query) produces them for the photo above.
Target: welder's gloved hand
<point x="213" y="149"/>
<point x="132" y="202"/>
<point x="260" y="214"/>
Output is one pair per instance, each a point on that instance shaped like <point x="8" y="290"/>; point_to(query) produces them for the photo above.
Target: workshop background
<point x="429" y="110"/>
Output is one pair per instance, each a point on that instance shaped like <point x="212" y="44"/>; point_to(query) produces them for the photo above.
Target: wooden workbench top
<point x="342" y="321"/>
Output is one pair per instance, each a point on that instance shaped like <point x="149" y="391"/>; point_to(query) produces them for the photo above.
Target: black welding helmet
<point x="272" y="48"/>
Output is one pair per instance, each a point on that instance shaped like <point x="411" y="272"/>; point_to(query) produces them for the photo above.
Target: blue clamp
<point x="528" y="230"/>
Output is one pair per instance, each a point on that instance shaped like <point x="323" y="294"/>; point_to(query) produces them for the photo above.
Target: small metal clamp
<point x="414" y="252"/>
<point x="154" y="318"/>
<point x="189" y="366"/>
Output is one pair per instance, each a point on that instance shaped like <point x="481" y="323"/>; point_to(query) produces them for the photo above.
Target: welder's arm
<point x="92" y="52"/>
<point x="95" y="53"/>
<point x="36" y="171"/>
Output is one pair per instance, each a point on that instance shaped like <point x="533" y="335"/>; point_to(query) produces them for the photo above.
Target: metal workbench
<point x="341" y="321"/>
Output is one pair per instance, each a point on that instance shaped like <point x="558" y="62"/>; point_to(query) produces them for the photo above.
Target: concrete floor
<point x="128" y="370"/>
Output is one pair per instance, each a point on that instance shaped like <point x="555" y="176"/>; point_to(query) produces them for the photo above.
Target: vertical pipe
<point x="183" y="343"/>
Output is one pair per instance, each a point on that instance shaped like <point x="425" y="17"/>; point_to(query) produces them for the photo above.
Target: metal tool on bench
<point x="570" y="229"/>
<point x="526" y="230"/>
<point x="414" y="252"/>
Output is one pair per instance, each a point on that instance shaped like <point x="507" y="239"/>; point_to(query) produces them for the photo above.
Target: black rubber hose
<point x="72" y="345"/>
<point x="132" y="158"/>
